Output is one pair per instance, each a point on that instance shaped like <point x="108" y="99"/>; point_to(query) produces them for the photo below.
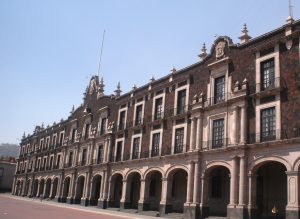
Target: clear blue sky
<point x="50" y="49"/>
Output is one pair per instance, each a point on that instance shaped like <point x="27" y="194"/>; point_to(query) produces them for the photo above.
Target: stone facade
<point x="218" y="138"/>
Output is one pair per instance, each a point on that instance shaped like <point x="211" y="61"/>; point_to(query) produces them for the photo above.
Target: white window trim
<point x="48" y="142"/>
<point x="63" y="136"/>
<point x="68" y="157"/>
<point x="84" y="129"/>
<point x="258" y="109"/>
<point x="81" y="155"/>
<point x="163" y="95"/>
<point x="42" y="143"/>
<point x="54" y="136"/>
<point x="184" y="125"/>
<point x="210" y="128"/>
<point x="56" y="160"/>
<point x="123" y="143"/>
<point x="52" y="161"/>
<point x="135" y="107"/>
<point x="260" y="59"/>
<point x="160" y="131"/>
<point x="96" y="151"/>
<point x="119" y="113"/>
<point x="187" y="88"/>
<point x="100" y="125"/>
<point x="216" y="73"/>
<point x="140" y="144"/>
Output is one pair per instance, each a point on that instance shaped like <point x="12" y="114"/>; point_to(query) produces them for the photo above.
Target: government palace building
<point x="217" y="139"/>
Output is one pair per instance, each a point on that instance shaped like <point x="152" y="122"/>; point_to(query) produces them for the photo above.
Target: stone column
<point x="234" y="125"/>
<point x="243" y="126"/>
<point x="292" y="207"/>
<point x="192" y="136"/>
<point x="242" y="186"/>
<point x="199" y="132"/>
<point x="109" y="150"/>
<point x="58" y="195"/>
<point x="190" y="183"/>
<point x="13" y="187"/>
<point x="51" y="189"/>
<point x="86" y="190"/>
<point x="124" y="194"/>
<point x="141" y="203"/>
<point x="196" y="184"/>
<point x="38" y="190"/>
<point x="165" y="191"/>
<point x="233" y="183"/>
<point x="252" y="194"/>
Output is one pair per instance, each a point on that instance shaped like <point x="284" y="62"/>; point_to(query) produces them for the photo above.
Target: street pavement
<point x="13" y="207"/>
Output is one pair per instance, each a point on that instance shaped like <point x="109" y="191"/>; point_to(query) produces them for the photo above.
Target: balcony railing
<point x="178" y="148"/>
<point x="273" y="135"/>
<point x="216" y="143"/>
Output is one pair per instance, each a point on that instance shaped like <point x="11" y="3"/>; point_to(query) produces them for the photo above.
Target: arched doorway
<point x="218" y="190"/>
<point x="18" y="188"/>
<point x="54" y="189"/>
<point x="271" y="189"/>
<point x="116" y="190"/>
<point x="95" y="192"/>
<point x="35" y="188"/>
<point x="66" y="189"/>
<point x="27" y="187"/>
<point x="41" y="189"/>
<point x="48" y="188"/>
<point x="79" y="189"/>
<point x="177" y="182"/>
<point x="133" y="190"/>
<point x="153" y="190"/>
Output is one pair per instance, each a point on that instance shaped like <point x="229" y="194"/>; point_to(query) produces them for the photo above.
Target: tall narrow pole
<point x="290" y="9"/>
<point x="100" y="58"/>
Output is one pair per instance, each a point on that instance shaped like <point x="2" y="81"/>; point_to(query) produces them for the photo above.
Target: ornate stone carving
<point x="220" y="49"/>
<point x="289" y="44"/>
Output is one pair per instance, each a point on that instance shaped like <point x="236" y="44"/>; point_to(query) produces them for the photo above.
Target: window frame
<point x="183" y="125"/>
<point x="140" y="136"/>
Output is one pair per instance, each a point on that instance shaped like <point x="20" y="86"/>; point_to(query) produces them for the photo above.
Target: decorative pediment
<point x="220" y="46"/>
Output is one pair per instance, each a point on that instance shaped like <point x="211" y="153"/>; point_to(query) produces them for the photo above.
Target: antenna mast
<point x="100" y="58"/>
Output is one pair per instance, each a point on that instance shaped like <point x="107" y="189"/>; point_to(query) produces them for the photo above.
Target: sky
<point x="50" y="49"/>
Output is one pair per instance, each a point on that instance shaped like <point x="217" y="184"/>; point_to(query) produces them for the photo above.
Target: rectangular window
<point x="70" y="159"/>
<point x="58" y="161"/>
<point x="119" y="151"/>
<point x="122" y="120"/>
<point x="51" y="163"/>
<point x="267" y="74"/>
<point x="86" y="131"/>
<point x="45" y="163"/>
<point x="61" y="139"/>
<point x="268" y="124"/>
<point x="158" y="108"/>
<point x="47" y="142"/>
<point x="83" y="159"/>
<point x="135" y="148"/>
<point x="100" y="154"/>
<point x="42" y="144"/>
<point x="219" y="89"/>
<point x="54" y="140"/>
<point x="181" y="101"/>
<point x="155" y="144"/>
<point x="73" y="135"/>
<point x="138" y="115"/>
<point x="103" y="126"/>
<point x="218" y="133"/>
<point x="179" y="140"/>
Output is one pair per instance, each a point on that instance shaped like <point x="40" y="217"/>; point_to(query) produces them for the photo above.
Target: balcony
<point x="216" y="143"/>
<point x="274" y="135"/>
<point x="269" y="88"/>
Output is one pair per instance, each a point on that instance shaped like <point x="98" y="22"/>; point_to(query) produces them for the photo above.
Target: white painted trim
<point x="163" y="96"/>
<point x="140" y="144"/>
<point x="54" y="136"/>
<point x="210" y="126"/>
<point x="119" y="113"/>
<point x="260" y="59"/>
<point x="143" y="110"/>
<point x="258" y="109"/>
<point x="185" y="87"/>
<point x="184" y="125"/>
<point x="216" y="73"/>
<point x="160" y="140"/>
<point x="123" y="143"/>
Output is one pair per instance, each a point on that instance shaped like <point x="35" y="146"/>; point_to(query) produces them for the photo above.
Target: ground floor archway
<point x="95" y="189"/>
<point x="177" y="190"/>
<point x="271" y="189"/>
<point x="116" y="188"/>
<point x="153" y="190"/>
<point x="79" y="189"/>
<point x="218" y="190"/>
<point x="48" y="188"/>
<point x="66" y="189"/>
<point x="41" y="188"/>
<point x="133" y="190"/>
<point x="54" y="188"/>
<point x="35" y="188"/>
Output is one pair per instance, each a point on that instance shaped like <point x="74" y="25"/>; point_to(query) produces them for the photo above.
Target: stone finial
<point x="195" y="98"/>
<point x="100" y="90"/>
<point x="54" y="123"/>
<point x="288" y="28"/>
<point x="245" y="37"/>
<point x="244" y="84"/>
<point x="173" y="70"/>
<point x="72" y="110"/>
<point x="152" y="79"/>
<point x="201" y="99"/>
<point x="236" y="86"/>
<point x="134" y="87"/>
<point x="203" y="53"/>
<point x="42" y="126"/>
<point x="24" y="135"/>
<point x="118" y="90"/>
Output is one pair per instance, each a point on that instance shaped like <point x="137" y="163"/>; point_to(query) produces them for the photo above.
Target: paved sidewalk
<point x="91" y="209"/>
